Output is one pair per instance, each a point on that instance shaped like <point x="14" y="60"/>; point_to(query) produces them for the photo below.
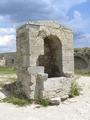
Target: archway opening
<point x="52" y="58"/>
<point x="80" y="63"/>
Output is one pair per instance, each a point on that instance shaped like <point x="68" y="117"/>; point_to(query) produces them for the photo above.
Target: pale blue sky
<point x="72" y="13"/>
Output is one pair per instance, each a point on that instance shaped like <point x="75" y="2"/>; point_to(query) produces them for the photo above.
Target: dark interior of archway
<point x="52" y="58"/>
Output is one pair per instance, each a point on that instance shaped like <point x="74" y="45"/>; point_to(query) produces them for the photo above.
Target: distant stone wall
<point x="8" y="59"/>
<point x="2" y="61"/>
<point x="82" y="59"/>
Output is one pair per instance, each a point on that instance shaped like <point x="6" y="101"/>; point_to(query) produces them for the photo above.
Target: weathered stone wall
<point x="57" y="87"/>
<point x="82" y="59"/>
<point x="8" y="59"/>
<point x="44" y="49"/>
<point x="2" y="61"/>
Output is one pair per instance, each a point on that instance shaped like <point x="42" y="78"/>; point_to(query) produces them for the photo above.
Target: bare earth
<point x="77" y="108"/>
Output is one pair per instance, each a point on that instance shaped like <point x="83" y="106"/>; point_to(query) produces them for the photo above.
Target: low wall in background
<point x="81" y="59"/>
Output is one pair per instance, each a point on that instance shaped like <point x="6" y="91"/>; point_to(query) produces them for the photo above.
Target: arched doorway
<point x="80" y="63"/>
<point x="52" y="58"/>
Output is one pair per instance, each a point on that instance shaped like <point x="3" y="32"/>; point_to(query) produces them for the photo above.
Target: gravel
<point x="77" y="108"/>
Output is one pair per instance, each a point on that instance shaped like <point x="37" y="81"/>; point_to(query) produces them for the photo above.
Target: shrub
<point x="74" y="90"/>
<point x="43" y="102"/>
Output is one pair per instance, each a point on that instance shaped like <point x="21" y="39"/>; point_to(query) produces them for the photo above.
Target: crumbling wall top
<point x="82" y="52"/>
<point x="46" y="23"/>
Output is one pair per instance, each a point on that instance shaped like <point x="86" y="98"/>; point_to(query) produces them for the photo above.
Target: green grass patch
<point x="43" y="102"/>
<point x="74" y="90"/>
<point x="20" y="101"/>
<point x="7" y="70"/>
<point x="83" y="73"/>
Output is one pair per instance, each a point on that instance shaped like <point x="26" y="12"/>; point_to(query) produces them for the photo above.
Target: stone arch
<point x="80" y="63"/>
<point x="52" y="58"/>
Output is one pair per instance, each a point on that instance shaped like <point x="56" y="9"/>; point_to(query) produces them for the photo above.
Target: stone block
<point x="35" y="70"/>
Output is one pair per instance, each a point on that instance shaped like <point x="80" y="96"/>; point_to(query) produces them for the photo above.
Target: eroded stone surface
<point x="44" y="48"/>
<point x="82" y="59"/>
<point x="8" y="59"/>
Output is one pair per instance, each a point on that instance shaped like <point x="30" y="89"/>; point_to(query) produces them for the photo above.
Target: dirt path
<point x="77" y="108"/>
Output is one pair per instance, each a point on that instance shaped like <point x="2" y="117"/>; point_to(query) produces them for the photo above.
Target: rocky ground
<point x="77" y="108"/>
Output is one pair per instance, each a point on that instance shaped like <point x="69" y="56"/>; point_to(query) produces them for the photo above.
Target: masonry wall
<point x="82" y="59"/>
<point x="31" y="45"/>
<point x="8" y="59"/>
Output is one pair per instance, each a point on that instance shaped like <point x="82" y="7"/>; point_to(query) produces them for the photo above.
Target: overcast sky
<point x="72" y="13"/>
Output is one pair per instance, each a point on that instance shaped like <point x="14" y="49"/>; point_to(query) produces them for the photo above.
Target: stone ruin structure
<point x="82" y="59"/>
<point x="2" y="61"/>
<point x="45" y="59"/>
<point x="8" y="59"/>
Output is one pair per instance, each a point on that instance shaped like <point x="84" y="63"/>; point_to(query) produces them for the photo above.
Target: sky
<point x="71" y="13"/>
